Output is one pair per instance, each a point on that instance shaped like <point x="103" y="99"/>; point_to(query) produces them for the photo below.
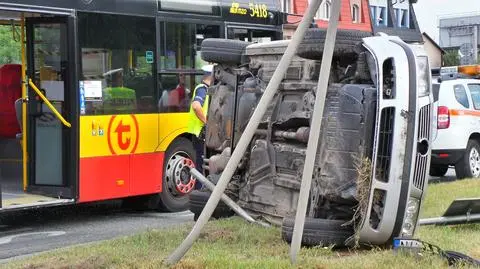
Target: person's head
<point x="115" y="76"/>
<point x="181" y="79"/>
<point x="208" y="77"/>
<point x="117" y="79"/>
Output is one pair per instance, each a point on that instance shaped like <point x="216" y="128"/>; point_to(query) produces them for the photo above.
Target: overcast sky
<point x="429" y="11"/>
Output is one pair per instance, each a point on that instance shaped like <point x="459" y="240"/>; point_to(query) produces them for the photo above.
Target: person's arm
<point x="197" y="108"/>
<point x="198" y="100"/>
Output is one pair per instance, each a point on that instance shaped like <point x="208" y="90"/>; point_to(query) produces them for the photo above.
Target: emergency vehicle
<point x="456" y="139"/>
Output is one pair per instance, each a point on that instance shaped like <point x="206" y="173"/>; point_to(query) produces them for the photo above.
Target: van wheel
<point x="198" y="200"/>
<point x="438" y="170"/>
<point x="319" y="232"/>
<point x="223" y="51"/>
<point x="469" y="165"/>
<point x="313" y="43"/>
<point x="177" y="183"/>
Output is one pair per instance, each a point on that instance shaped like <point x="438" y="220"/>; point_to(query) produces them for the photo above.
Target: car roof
<point x="457" y="81"/>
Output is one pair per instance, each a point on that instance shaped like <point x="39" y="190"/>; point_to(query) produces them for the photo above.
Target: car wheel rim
<point x="475" y="162"/>
<point x="179" y="181"/>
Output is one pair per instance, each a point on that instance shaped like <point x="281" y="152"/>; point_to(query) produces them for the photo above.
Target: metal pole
<point x="315" y="131"/>
<point x="247" y="135"/>
<point x="24" y="106"/>
<point x="451" y="220"/>
<point x="225" y="198"/>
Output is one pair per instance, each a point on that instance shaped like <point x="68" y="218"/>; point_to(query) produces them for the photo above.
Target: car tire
<point x="465" y="167"/>
<point x="438" y="170"/>
<point x="223" y="51"/>
<point x="199" y="198"/>
<point x="346" y="41"/>
<point x="170" y="199"/>
<point x="319" y="232"/>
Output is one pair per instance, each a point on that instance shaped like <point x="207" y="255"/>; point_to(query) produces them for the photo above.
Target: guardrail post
<point x="314" y="131"/>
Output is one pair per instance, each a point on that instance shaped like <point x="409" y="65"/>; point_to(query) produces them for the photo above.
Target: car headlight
<point x="411" y="217"/>
<point x="423" y="73"/>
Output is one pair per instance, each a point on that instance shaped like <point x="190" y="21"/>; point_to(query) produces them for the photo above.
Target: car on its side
<point x="371" y="169"/>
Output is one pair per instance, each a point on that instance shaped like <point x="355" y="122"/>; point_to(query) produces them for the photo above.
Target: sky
<point x="428" y="12"/>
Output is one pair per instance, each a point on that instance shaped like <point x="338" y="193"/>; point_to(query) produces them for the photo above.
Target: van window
<point x="461" y="95"/>
<point x="475" y="93"/>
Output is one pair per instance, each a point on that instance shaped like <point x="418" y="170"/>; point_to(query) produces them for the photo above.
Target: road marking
<point x="8" y="239"/>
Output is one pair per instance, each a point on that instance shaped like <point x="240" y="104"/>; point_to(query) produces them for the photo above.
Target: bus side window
<point x="180" y="63"/>
<point x="118" y="58"/>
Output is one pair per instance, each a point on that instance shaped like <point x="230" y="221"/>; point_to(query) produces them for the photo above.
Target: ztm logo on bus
<point x="123" y="134"/>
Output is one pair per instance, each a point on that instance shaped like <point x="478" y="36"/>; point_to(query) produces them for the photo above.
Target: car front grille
<point x="424" y="123"/>
<point x="385" y="141"/>
<point x="421" y="160"/>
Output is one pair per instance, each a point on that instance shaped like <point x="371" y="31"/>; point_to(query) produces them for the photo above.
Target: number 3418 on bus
<point x="255" y="10"/>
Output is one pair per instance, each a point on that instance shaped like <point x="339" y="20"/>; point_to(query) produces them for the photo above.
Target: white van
<point x="456" y="138"/>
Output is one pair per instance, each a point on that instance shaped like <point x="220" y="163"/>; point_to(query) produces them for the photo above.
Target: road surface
<point x="47" y="229"/>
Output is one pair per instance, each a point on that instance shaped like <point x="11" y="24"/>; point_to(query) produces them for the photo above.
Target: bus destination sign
<point x="254" y="10"/>
<point x="251" y="11"/>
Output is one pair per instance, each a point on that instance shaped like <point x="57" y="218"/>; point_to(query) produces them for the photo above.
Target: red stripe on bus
<point x="112" y="177"/>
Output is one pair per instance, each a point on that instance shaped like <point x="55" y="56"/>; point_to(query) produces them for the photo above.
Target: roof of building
<point x="433" y="42"/>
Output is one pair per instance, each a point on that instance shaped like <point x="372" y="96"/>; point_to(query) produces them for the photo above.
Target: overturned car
<point x="372" y="161"/>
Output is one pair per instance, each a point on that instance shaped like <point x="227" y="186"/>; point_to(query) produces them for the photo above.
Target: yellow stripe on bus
<point x="127" y="134"/>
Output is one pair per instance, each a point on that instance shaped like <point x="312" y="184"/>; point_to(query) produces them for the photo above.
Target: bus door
<point x="49" y="72"/>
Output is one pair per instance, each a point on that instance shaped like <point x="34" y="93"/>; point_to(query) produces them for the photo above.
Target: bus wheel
<point x="177" y="182"/>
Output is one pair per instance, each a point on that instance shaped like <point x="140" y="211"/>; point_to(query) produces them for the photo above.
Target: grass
<point x="232" y="243"/>
<point x="440" y="196"/>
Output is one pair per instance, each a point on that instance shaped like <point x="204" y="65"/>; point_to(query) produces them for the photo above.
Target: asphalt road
<point x="42" y="230"/>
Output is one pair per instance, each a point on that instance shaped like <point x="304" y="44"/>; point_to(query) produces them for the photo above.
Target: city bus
<point x="100" y="96"/>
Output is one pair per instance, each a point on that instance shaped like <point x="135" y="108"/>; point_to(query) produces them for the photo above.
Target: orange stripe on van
<point x="464" y="112"/>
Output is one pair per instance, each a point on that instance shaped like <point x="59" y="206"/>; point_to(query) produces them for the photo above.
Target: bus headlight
<point x="411" y="215"/>
<point x="423" y="70"/>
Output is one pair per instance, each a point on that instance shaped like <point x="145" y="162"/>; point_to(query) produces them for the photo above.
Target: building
<point x="434" y="51"/>
<point x="461" y="34"/>
<point x="354" y="15"/>
<point x="393" y="17"/>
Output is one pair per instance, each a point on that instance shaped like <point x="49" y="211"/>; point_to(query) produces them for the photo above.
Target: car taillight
<point x="443" y="117"/>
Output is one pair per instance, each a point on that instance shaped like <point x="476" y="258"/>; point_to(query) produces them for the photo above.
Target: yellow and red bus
<point x="105" y="88"/>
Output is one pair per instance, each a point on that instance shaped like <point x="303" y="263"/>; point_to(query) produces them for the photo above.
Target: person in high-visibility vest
<point x="198" y="115"/>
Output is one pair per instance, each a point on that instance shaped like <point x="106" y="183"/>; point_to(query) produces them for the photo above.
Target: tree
<point x="10" y="49"/>
<point x="451" y="58"/>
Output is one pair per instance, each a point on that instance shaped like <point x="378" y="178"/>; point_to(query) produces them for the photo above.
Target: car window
<point x="461" y="95"/>
<point x="475" y="93"/>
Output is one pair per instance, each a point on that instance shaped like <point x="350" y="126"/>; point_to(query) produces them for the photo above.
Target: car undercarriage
<point x="356" y="149"/>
